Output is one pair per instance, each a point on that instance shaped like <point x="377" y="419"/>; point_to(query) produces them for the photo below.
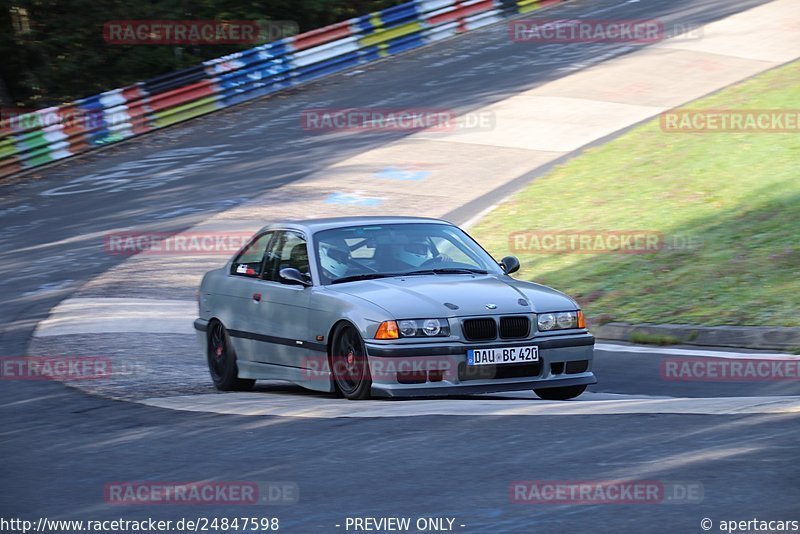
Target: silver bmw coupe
<point x="389" y="307"/>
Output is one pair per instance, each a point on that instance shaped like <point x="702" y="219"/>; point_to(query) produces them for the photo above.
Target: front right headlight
<point x="424" y="328"/>
<point x="413" y="328"/>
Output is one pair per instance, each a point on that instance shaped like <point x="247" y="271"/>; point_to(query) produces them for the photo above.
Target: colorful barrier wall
<point x="51" y="134"/>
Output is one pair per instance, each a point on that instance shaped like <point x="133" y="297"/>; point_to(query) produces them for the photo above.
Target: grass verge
<point x="726" y="205"/>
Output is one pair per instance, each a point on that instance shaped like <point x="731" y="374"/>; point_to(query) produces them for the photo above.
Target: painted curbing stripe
<point x="119" y="315"/>
<point x="281" y="405"/>
<point x="611" y="347"/>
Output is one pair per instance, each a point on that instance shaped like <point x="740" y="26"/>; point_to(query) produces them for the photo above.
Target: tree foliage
<point x="54" y="51"/>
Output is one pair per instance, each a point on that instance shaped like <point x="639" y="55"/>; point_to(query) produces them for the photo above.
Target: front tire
<point x="561" y="394"/>
<point x="349" y="363"/>
<point x="222" y="361"/>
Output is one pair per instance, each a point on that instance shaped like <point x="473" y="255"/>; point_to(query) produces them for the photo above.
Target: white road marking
<point x="639" y="349"/>
<point x="604" y="9"/>
<point x="119" y="315"/>
<point x="52" y="286"/>
<point x="298" y="405"/>
<point x="478" y="217"/>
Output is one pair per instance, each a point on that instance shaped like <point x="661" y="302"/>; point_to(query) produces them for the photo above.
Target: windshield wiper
<point x="373" y="276"/>
<point x="451" y="270"/>
<point x="363" y="276"/>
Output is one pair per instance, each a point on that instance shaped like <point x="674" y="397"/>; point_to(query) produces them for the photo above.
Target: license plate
<point x="504" y="355"/>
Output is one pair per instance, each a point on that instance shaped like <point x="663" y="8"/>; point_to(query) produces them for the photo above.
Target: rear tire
<point x="561" y="394"/>
<point x="222" y="361"/>
<point x="349" y="363"/>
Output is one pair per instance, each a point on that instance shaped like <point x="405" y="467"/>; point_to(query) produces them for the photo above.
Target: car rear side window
<point x="249" y="262"/>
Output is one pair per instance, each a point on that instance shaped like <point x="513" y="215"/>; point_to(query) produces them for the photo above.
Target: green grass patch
<point x="735" y="196"/>
<point x="643" y="338"/>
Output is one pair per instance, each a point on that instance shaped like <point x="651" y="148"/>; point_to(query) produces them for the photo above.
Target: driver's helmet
<point x="333" y="256"/>
<point x="414" y="253"/>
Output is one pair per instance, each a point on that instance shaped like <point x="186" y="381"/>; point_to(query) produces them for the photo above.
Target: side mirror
<point x="290" y="275"/>
<point x="510" y="264"/>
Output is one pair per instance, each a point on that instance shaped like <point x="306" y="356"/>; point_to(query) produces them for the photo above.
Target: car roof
<point x="312" y="226"/>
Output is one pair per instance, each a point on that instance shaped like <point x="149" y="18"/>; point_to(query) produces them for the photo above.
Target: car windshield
<point x="379" y="251"/>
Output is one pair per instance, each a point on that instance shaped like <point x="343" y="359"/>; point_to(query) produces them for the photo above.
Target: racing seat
<point x="298" y="258"/>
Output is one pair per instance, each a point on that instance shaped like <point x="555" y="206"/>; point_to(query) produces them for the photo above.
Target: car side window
<point x="288" y="250"/>
<point x="249" y="262"/>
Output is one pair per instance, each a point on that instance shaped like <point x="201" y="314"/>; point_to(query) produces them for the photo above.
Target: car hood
<point x="429" y="295"/>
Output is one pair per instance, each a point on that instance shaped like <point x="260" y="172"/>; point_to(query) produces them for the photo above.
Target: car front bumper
<point x="413" y="370"/>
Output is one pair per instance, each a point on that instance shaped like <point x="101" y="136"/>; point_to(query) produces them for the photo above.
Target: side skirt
<point x="317" y="380"/>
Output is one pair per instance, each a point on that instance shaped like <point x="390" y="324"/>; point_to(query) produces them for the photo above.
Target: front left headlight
<point x="561" y="321"/>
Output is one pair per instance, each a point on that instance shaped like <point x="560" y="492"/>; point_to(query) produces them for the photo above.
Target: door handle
<point x="257" y="297"/>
